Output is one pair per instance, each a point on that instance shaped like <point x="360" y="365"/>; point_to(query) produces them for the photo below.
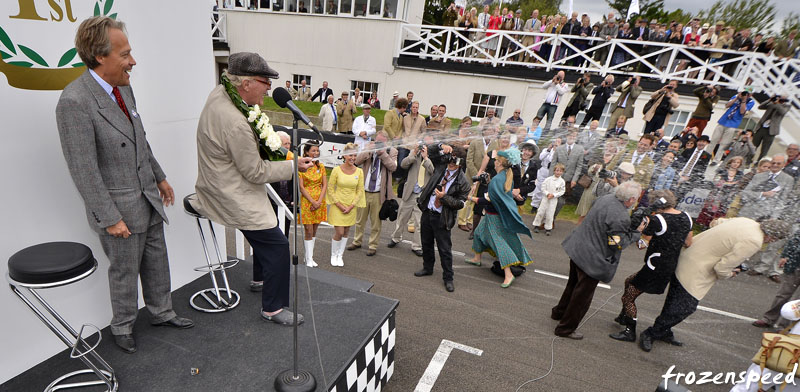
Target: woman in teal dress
<point x="498" y="232"/>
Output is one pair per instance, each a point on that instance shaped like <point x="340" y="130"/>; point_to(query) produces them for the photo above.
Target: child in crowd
<point x="553" y="187"/>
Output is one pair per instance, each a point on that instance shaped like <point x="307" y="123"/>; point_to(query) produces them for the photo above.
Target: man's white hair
<point x="628" y="190"/>
<point x="283" y="135"/>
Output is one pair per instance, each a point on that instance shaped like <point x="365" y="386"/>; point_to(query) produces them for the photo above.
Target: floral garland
<point x="269" y="143"/>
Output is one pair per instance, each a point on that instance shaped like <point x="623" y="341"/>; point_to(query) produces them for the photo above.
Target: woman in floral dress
<point x="313" y="184"/>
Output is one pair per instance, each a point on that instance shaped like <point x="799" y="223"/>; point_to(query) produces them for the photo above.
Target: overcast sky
<point x="597" y="8"/>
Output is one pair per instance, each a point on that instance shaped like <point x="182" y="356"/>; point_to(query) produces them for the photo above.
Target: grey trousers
<point x="140" y="255"/>
<point x="408" y="211"/>
<point x="766" y="260"/>
<point x="785" y="293"/>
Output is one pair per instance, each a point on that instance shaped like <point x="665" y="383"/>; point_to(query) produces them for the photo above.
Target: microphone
<point x="284" y="100"/>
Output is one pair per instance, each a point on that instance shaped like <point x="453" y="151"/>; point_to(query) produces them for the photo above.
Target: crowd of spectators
<point x="701" y="37"/>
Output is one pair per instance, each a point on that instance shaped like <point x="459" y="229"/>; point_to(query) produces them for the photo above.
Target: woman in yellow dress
<point x="313" y="184"/>
<point x="345" y="194"/>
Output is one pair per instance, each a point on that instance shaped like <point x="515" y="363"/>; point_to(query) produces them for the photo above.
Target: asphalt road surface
<point x="513" y="333"/>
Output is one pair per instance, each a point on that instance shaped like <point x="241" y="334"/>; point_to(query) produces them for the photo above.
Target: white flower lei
<point x="266" y="132"/>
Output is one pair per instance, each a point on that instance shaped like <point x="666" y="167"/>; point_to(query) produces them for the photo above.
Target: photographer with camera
<point x="378" y="162"/>
<point x="729" y="123"/>
<point x="601" y="95"/>
<point x="629" y="91"/>
<point x="419" y="169"/>
<point x="594" y="249"/>
<point x="666" y="232"/>
<point x="613" y="178"/>
<point x="770" y="123"/>
<point x="658" y="109"/>
<point x="706" y="100"/>
<point x="555" y="89"/>
<point x="580" y="91"/>
<point x="441" y="198"/>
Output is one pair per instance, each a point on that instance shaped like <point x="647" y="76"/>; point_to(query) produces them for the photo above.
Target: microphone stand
<point x="295" y="379"/>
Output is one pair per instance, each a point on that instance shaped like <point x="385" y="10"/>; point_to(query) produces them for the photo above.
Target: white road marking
<point x="555" y="275"/>
<point x="427" y="380"/>
<point x="724" y="313"/>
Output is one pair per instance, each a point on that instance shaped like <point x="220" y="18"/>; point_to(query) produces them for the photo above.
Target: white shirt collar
<point x="107" y="87"/>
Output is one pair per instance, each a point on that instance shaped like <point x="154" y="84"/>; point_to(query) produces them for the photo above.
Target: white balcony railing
<point x="654" y="60"/>
<point x="219" y="26"/>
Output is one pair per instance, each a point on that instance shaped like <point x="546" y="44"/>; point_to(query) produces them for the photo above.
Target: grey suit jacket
<point x="108" y="156"/>
<point x="755" y="206"/>
<point x="413" y="163"/>
<point x="774" y="112"/>
<point x="573" y="161"/>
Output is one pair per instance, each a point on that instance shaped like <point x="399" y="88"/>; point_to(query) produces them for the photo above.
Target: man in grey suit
<point x="765" y="197"/>
<point x="119" y="179"/>
<point x="770" y="124"/>
<point x="569" y="154"/>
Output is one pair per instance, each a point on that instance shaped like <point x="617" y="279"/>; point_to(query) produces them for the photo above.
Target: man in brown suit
<point x="345" y="111"/>
<point x="378" y="163"/>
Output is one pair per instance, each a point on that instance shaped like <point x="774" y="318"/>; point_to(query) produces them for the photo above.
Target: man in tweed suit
<point x="119" y="179"/>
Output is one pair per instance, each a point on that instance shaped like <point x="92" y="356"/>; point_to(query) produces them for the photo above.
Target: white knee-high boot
<point x="309" y="254"/>
<point x="342" y="247"/>
<point x="335" y="246"/>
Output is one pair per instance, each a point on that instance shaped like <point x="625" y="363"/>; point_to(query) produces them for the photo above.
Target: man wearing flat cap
<point x="231" y="177"/>
<point x="122" y="185"/>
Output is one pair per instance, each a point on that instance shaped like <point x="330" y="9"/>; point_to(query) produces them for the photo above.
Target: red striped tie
<point x="120" y="102"/>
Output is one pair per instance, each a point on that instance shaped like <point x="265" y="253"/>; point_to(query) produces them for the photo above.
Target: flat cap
<point x="250" y="64"/>
<point x="366" y="106"/>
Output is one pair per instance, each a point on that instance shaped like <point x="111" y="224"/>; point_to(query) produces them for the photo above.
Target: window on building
<point x="360" y="8"/>
<point x="483" y="102"/>
<point x="367" y="89"/>
<point x="297" y="78"/>
<point x="331" y="7"/>
<point x="389" y="9"/>
<point x="603" y="118"/>
<point x="677" y="122"/>
<point x="346" y="7"/>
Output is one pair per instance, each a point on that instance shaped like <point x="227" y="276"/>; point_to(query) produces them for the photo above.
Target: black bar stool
<point x="50" y="265"/>
<point x="217" y="299"/>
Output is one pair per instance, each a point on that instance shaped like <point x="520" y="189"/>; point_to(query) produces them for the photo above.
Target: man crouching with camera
<point x="440" y="200"/>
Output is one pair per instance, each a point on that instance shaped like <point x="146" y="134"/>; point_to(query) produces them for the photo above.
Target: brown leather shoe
<point x="371" y="252"/>
<point x="760" y="324"/>
<point x="463" y="227"/>
<point x="353" y="247"/>
<point x="775" y="278"/>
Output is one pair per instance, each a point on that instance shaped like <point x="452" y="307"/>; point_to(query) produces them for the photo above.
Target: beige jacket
<point x="716" y="252"/>
<point x="346" y="112"/>
<point x="673" y="102"/>
<point x="412" y="127"/>
<point x="231" y="176"/>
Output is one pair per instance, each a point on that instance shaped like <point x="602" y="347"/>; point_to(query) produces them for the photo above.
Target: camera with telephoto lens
<point x="482" y="178"/>
<point x="638" y="216"/>
<point x="605" y="174"/>
<point x="640" y="213"/>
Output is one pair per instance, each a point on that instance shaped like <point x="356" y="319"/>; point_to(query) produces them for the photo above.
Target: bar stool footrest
<point x="217" y="266"/>
<point x="57" y="385"/>
<point x="206" y="300"/>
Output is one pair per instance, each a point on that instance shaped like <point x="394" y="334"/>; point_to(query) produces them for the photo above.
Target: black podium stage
<point x="352" y="348"/>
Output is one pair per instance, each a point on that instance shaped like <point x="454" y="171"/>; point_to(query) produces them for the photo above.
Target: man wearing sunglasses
<point x="231" y="177"/>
